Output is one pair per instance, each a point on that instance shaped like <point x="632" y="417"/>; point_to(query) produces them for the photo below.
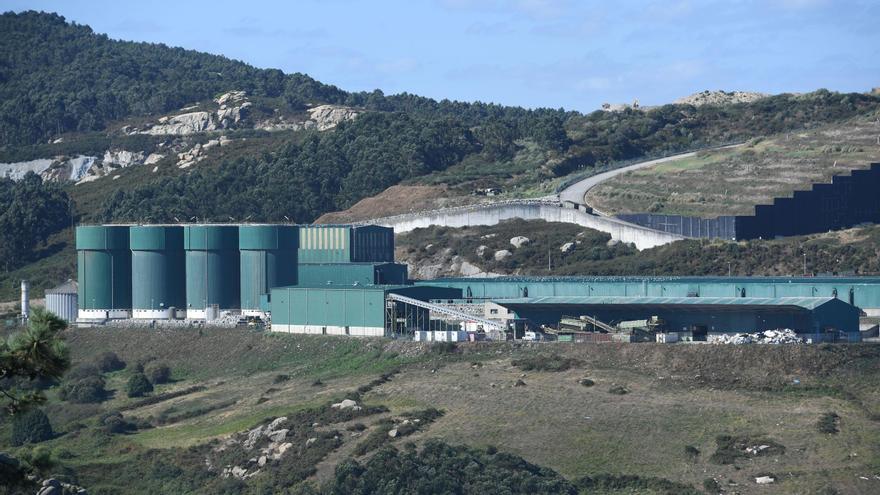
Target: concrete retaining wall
<point x="491" y="214"/>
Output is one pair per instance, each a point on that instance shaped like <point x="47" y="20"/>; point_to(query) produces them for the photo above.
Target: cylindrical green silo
<point x="212" y="276"/>
<point x="158" y="271"/>
<point x="268" y="259"/>
<point x="103" y="271"/>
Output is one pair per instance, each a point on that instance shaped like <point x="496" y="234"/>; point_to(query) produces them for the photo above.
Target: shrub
<point x="586" y="382"/>
<point x="114" y="422"/>
<point x="31" y="427"/>
<point x="828" y="423"/>
<point x="711" y="485"/>
<point x="280" y="379"/>
<point x="691" y="452"/>
<point x="158" y="373"/>
<point x="108" y="362"/>
<point x="83" y="371"/>
<point x="86" y="390"/>
<point x="618" y="390"/>
<point x="138" y="385"/>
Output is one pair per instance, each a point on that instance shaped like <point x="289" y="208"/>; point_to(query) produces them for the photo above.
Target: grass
<point x="732" y="181"/>
<point x="620" y="441"/>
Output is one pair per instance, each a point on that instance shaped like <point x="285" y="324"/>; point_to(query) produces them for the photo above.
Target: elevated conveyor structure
<point x="446" y="311"/>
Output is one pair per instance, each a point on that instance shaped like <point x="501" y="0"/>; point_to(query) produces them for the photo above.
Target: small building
<point x="813" y="316"/>
<point x="62" y="301"/>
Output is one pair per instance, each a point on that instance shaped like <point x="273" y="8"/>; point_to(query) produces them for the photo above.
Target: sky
<point x="533" y="53"/>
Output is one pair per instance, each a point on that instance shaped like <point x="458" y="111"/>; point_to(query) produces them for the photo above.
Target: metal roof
<point x="649" y="278"/>
<point x="800" y="302"/>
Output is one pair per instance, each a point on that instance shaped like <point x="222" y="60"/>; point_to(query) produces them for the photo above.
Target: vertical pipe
<point x="25" y="301"/>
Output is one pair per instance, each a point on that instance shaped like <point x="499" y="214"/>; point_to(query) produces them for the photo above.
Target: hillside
<point x="217" y="139"/>
<point x="574" y="250"/>
<point x="733" y="181"/>
<point x="667" y="434"/>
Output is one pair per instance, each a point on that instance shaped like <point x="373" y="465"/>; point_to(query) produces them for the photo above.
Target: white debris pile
<point x="784" y="336"/>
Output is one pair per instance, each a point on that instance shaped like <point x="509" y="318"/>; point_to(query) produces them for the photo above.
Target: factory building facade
<point x="157" y="272"/>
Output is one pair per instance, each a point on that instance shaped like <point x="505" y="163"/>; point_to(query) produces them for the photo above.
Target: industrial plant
<point x="343" y="280"/>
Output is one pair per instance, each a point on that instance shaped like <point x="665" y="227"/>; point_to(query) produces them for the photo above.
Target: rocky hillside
<point x="540" y="248"/>
<point x="720" y="98"/>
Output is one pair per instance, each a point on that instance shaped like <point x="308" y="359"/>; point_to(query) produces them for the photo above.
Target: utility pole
<point x="805" y="264"/>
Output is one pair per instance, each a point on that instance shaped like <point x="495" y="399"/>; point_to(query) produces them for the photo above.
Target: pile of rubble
<point x="784" y="336"/>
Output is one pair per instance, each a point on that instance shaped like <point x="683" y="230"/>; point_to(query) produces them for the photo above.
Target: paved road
<point x="576" y="192"/>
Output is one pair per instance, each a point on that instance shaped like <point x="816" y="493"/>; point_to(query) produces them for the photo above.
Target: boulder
<point x="153" y="158"/>
<point x="502" y="255"/>
<point x="345" y="404"/>
<point x="253" y="437"/>
<point x="329" y="116"/>
<point x="519" y="241"/>
<point x="184" y="124"/>
<point x="278" y="435"/>
<point x="276" y="423"/>
<point x="262" y="461"/>
<point x="392" y="433"/>
<point x="481" y="250"/>
<point x="311" y="441"/>
<point x="567" y="247"/>
<point x="612" y="242"/>
<point x="764" y="480"/>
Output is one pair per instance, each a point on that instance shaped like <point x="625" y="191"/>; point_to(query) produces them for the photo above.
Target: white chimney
<point x="25" y="301"/>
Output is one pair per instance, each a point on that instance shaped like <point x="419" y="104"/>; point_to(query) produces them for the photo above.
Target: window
<point x="493" y="311"/>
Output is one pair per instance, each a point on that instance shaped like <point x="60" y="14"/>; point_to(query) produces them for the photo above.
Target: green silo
<point x="158" y="271"/>
<point x="103" y="271"/>
<point x="212" y="275"/>
<point x="268" y="259"/>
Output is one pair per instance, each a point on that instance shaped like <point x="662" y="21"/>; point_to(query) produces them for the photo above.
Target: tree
<point x="37" y="352"/>
<point x="32" y="426"/>
<point x="138" y="385"/>
<point x="30" y="211"/>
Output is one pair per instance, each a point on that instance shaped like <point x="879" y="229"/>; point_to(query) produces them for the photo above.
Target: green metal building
<point x="268" y="255"/>
<point x="862" y="292"/>
<point x="354" y="310"/>
<point x="158" y="271"/>
<point x="212" y="269"/>
<point x="103" y="271"/>
<point x="352" y="273"/>
<point x="345" y="244"/>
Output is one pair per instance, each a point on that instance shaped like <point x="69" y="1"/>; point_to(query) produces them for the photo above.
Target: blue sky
<point x="551" y="53"/>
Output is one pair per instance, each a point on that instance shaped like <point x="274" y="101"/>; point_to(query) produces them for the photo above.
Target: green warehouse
<point x="355" y="310"/>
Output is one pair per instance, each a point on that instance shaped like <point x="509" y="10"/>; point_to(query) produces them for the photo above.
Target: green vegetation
<point x="138" y="385"/>
<point x="683" y="396"/>
<point x="394" y="472"/>
<point x="84" y="384"/>
<point x="37" y="353"/>
<point x="31" y="426"/>
<point x="850" y="251"/>
<point x="157" y="373"/>
<point x="828" y="423"/>
<point x="30" y="211"/>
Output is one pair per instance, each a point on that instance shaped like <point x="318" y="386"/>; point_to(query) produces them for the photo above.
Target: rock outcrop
<point x="720" y="98"/>
<point x="329" y="116"/>
<point x="233" y="108"/>
<point x="502" y="255"/>
<point x="519" y="241"/>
